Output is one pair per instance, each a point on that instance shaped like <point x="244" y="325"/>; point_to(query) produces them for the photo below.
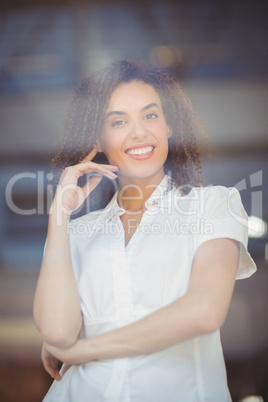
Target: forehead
<point x="133" y="94"/>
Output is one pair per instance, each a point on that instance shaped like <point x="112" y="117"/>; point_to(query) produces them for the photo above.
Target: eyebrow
<point x="119" y="112"/>
<point x="149" y="106"/>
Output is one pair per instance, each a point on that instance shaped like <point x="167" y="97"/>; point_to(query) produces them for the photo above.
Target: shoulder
<point x="208" y="193"/>
<point x="215" y="201"/>
<point x="212" y="194"/>
<point x="213" y="191"/>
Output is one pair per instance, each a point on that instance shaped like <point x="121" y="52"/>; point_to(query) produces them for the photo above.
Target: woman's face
<point x="135" y="133"/>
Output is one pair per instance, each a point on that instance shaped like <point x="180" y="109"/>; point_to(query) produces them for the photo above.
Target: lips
<point x="145" y="150"/>
<point x="141" y="151"/>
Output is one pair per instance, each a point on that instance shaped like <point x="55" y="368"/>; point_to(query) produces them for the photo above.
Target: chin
<point x="141" y="173"/>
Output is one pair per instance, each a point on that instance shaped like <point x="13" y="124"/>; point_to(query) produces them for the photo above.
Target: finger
<point x="91" y="167"/>
<point x="51" y="367"/>
<point x="90" y="156"/>
<point x="57" y="375"/>
<point x="50" y="363"/>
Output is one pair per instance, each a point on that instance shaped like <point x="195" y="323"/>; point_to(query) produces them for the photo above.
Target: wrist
<point x="85" y="350"/>
<point x="59" y="215"/>
<point x="80" y="353"/>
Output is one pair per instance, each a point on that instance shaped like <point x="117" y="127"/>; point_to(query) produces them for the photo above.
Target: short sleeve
<point x="222" y="213"/>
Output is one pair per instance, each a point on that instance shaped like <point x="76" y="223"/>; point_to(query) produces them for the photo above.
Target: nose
<point x="138" y="130"/>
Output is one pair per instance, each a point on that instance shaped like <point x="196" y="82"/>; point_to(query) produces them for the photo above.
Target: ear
<point x="169" y="132"/>
<point x="97" y="145"/>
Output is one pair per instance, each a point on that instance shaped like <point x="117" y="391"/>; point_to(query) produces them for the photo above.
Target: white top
<point x="119" y="285"/>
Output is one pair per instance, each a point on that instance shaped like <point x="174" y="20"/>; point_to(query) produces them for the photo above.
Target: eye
<point x="151" y="116"/>
<point x="118" y="123"/>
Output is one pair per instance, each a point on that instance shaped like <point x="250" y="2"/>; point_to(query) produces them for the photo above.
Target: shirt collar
<point x="161" y="197"/>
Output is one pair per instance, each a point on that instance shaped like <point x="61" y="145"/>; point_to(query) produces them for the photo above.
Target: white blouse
<point x="119" y="285"/>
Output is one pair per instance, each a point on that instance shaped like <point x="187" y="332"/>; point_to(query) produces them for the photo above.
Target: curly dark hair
<point x="85" y="118"/>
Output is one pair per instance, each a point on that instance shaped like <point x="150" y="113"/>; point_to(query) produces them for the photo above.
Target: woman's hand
<point x="52" y="357"/>
<point x="50" y="362"/>
<point x="69" y="196"/>
<point x="77" y="354"/>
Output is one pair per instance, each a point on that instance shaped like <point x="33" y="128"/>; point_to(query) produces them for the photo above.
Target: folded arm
<point x="202" y="310"/>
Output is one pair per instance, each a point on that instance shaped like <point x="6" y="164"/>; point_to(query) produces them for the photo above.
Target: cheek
<point x="111" y="148"/>
<point x="105" y="142"/>
<point x="163" y="133"/>
<point x="110" y="145"/>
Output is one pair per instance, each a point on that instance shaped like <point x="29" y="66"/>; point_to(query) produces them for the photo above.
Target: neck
<point x="134" y="192"/>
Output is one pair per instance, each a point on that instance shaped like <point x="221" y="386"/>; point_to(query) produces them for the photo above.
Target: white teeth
<point x="140" y="151"/>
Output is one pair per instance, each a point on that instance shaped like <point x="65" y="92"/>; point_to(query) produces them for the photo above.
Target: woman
<point x="132" y="295"/>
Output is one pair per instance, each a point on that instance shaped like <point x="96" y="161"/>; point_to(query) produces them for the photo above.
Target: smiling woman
<point x="131" y="296"/>
<point x="88" y="113"/>
<point x="135" y="133"/>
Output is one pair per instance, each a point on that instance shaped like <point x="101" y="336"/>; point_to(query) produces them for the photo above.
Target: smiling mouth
<point x="140" y="151"/>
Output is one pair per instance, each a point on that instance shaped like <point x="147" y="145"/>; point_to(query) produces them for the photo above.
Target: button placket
<point x="120" y="273"/>
<point x="116" y="383"/>
<point x="122" y="305"/>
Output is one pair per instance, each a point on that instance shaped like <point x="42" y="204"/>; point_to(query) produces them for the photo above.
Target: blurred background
<point x="219" y="52"/>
